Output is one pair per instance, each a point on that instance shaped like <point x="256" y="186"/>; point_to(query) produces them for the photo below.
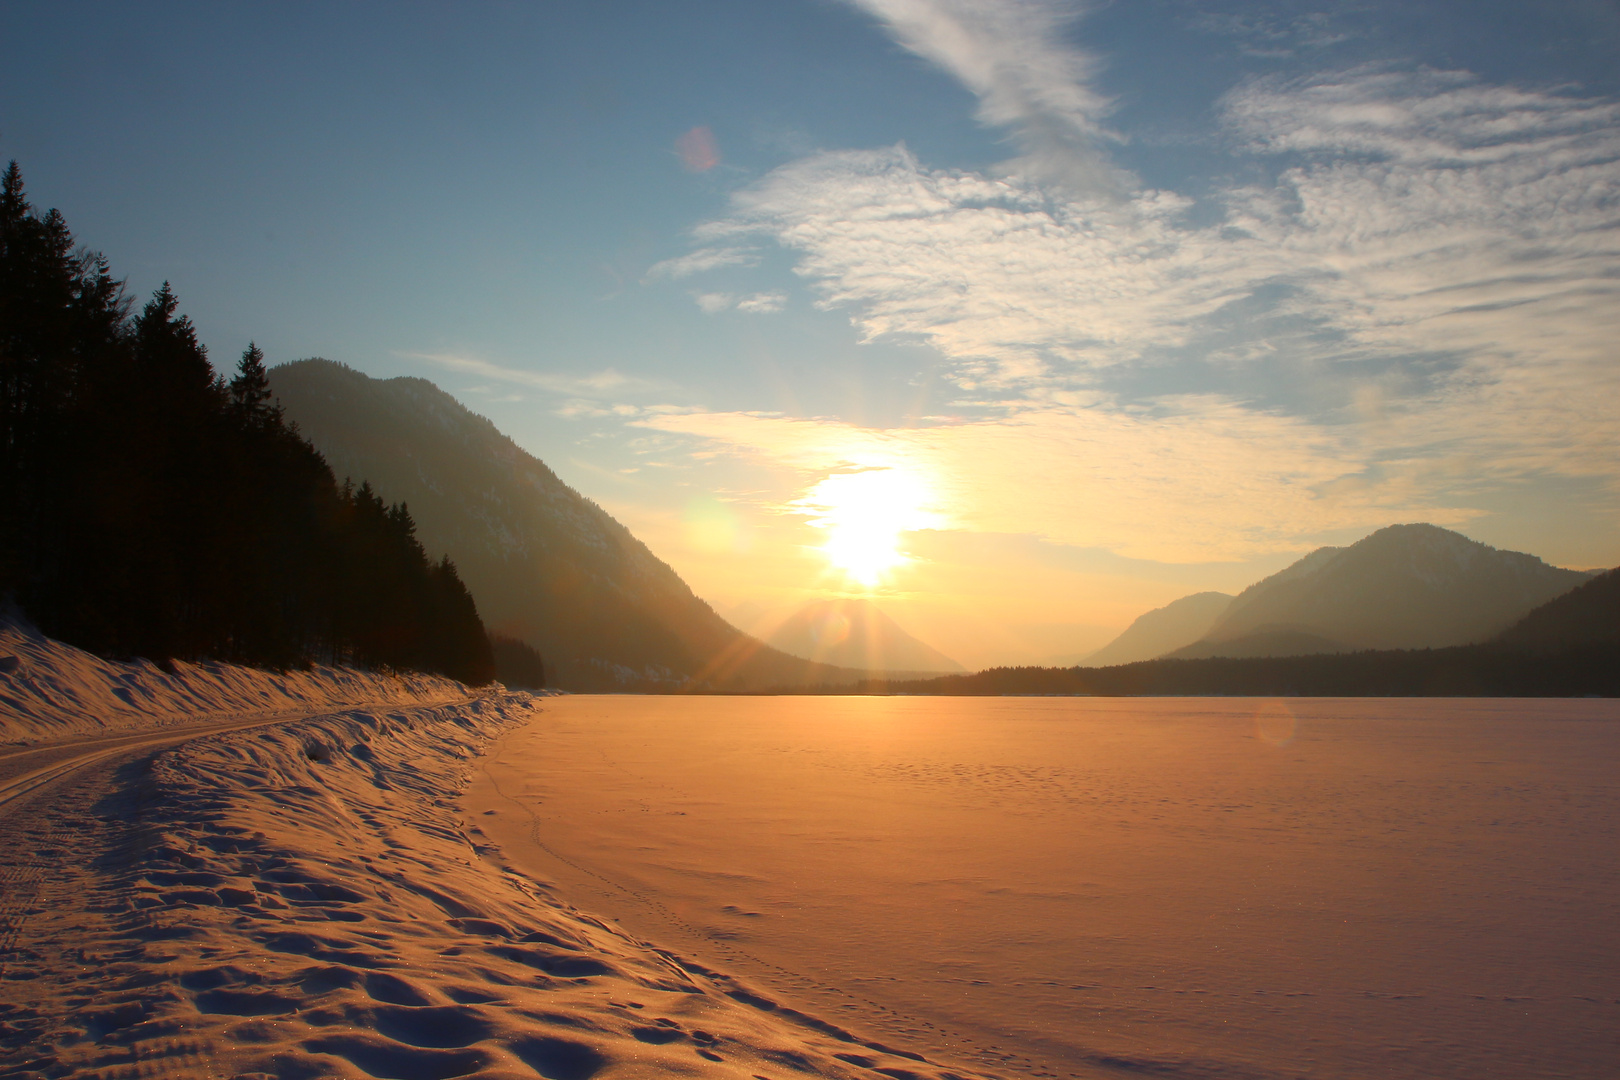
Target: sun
<point x="865" y="511"/>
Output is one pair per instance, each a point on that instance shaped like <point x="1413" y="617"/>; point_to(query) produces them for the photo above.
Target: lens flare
<point x="829" y="629"/>
<point x="1275" y="724"/>
<point x="698" y="150"/>
<point x="713" y="528"/>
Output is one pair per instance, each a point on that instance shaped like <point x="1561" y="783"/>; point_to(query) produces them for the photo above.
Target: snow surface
<point x="1175" y="887"/>
<point x="305" y="899"/>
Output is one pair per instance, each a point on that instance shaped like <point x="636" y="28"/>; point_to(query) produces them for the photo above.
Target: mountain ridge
<point x="1567" y="647"/>
<point x="1587" y="615"/>
<point x="546" y="564"/>
<point x="856" y="633"/>
<point x="1409" y="586"/>
<point x="1162" y="630"/>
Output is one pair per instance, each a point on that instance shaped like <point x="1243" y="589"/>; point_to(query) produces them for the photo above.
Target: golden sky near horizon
<point x="1022" y="317"/>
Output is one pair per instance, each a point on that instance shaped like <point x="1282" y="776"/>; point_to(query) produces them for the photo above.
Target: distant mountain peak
<point x="855" y="632"/>
<point x="1402" y="587"/>
<point x="1163" y="630"/>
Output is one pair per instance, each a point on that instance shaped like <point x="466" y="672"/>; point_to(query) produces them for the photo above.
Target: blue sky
<point x="1128" y="299"/>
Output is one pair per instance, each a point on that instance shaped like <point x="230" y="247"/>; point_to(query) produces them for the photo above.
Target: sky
<point x="1019" y="317"/>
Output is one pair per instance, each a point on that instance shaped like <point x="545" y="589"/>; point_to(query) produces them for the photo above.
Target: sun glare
<point x="864" y="513"/>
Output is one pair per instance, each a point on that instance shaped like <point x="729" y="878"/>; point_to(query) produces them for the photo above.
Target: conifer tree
<point x="250" y="390"/>
<point x="152" y="509"/>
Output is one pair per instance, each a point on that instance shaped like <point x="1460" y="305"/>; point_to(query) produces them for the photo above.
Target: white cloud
<point x="699" y="262"/>
<point x="1012" y="56"/>
<point x="1443" y="254"/>
<point x="763" y="303"/>
<point x="714" y="302"/>
<point x="595" y="386"/>
<point x="1424" y="118"/>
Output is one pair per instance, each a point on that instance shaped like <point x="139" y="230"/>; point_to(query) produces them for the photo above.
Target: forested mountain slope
<point x="545" y="564"/>
<point x="1587" y="615"/>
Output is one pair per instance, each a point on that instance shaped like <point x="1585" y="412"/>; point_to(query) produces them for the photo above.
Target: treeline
<point x="517" y="663"/>
<point x="1567" y="647"/>
<point x="152" y="508"/>
<point x="1490" y="670"/>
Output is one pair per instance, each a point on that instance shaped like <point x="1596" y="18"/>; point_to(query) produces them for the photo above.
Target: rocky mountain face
<point x="857" y="634"/>
<point x="545" y="564"/>
<point x="1403" y="587"/>
<point x="1163" y="630"/>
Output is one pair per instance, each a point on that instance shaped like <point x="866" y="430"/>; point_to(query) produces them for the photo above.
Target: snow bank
<point x="49" y="690"/>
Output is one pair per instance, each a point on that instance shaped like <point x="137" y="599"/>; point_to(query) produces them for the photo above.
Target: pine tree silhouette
<point x="250" y="390"/>
<point x="153" y="509"/>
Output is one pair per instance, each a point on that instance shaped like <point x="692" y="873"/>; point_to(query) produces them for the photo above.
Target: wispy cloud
<point x="989" y="269"/>
<point x="1012" y="55"/>
<point x="763" y="303"/>
<point x="698" y="262"/>
<point x="1266" y="34"/>
<point x="713" y="303"/>
<point x="1433" y="267"/>
<point x="1432" y="119"/>
<point x="599" y="385"/>
<point x="1446" y="249"/>
<point x="1433" y="215"/>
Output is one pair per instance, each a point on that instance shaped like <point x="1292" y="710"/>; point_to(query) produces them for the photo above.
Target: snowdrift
<point x="49" y="690"/>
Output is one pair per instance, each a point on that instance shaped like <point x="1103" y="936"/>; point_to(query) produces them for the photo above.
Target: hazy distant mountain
<point x="1163" y="630"/>
<point x="545" y="564"/>
<point x="856" y="634"/>
<point x="1586" y="615"/>
<point x="1403" y="587"/>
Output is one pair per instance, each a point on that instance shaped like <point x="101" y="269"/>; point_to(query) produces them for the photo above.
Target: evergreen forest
<point x="151" y="507"/>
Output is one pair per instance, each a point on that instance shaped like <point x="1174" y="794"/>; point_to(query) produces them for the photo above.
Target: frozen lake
<point x="1111" y="887"/>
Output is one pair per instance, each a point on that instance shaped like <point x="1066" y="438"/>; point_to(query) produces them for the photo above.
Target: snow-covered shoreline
<point x="49" y="690"/>
<point x="305" y="899"/>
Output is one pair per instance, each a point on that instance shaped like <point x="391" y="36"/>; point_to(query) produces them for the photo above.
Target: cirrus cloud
<point x="1012" y="55"/>
<point x="1420" y="301"/>
<point x="1447" y="247"/>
